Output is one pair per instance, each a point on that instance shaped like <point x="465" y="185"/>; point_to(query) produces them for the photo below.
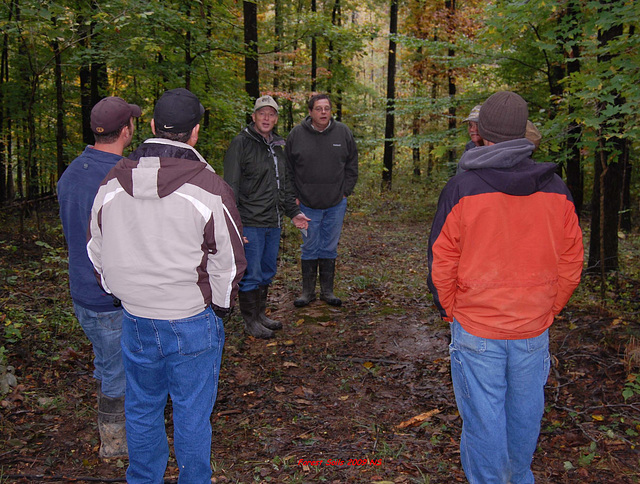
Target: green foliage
<point x="631" y="387"/>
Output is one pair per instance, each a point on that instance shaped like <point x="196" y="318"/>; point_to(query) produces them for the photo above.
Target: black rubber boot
<point x="250" y="309"/>
<point x="111" y="425"/>
<point x="309" y="276"/>
<point x="264" y="320"/>
<point x="327" y="273"/>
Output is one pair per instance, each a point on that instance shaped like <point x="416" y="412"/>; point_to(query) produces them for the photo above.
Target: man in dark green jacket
<point x="323" y="157"/>
<point x="256" y="169"/>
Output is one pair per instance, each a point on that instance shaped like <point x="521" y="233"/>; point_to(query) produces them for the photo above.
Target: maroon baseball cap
<point x="112" y="113"/>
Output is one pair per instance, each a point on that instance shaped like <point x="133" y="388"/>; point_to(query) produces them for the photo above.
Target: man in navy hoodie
<point x="98" y="313"/>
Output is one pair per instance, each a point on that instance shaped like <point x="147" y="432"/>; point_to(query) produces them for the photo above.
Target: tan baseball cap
<point x="265" y="101"/>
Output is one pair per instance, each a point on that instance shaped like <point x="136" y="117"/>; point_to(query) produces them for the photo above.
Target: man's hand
<point x="301" y="221"/>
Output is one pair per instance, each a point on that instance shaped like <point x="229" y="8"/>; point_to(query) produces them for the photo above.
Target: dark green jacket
<point x="258" y="174"/>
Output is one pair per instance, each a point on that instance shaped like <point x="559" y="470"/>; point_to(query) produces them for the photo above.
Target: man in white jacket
<point x="165" y="240"/>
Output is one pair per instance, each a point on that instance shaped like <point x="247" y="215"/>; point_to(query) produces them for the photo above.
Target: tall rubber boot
<point x="250" y="309"/>
<point x="327" y="273"/>
<point x="264" y="320"/>
<point x="309" y="276"/>
<point x="111" y="425"/>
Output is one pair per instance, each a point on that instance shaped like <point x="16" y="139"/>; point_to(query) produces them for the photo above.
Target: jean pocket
<point x="130" y="333"/>
<point x="464" y="341"/>
<point x="458" y="377"/>
<point x="193" y="334"/>
<point x="538" y="343"/>
<point x="111" y="321"/>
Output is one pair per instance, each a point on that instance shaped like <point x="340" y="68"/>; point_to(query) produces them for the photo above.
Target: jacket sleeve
<point x="291" y="208"/>
<point x="226" y="260"/>
<point x="571" y="259"/>
<point x="444" y="255"/>
<point x="351" y="167"/>
<point x="290" y="161"/>
<point x="94" y="237"/>
<point x="232" y="165"/>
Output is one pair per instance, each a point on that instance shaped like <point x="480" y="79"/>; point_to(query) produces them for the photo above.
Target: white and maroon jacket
<point x="165" y="233"/>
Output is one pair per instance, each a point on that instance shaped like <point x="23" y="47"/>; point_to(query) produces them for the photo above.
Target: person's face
<point x="265" y="120"/>
<point x="473" y="133"/>
<point x="321" y="114"/>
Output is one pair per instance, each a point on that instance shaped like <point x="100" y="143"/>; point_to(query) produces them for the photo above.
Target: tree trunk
<point x="609" y="167"/>
<point x="251" y="67"/>
<point x="4" y="67"/>
<point x="450" y="5"/>
<point x="389" y="130"/>
<point x="416" y="149"/>
<point x="278" y="29"/>
<point x="60" y="127"/>
<point x="575" y="177"/>
<point x="337" y="100"/>
<point x="314" y="53"/>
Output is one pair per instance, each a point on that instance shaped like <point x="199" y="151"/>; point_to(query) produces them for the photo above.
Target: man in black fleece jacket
<point x="323" y="158"/>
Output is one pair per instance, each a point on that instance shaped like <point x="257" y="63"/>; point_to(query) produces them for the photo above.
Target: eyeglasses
<point x="322" y="109"/>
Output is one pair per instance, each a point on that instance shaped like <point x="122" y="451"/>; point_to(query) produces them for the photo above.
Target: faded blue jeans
<point x="104" y="330"/>
<point x="499" y="389"/>
<point x="180" y="358"/>
<point x="262" y="256"/>
<point x="323" y="234"/>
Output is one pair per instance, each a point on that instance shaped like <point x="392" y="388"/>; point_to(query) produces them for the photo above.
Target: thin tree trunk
<point x="609" y="166"/>
<point x="314" y="53"/>
<point x="450" y="5"/>
<point x="389" y="131"/>
<point x="251" y="67"/>
<point x="60" y="126"/>
<point x="278" y="28"/>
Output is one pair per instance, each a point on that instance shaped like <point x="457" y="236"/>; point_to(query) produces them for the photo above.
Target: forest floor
<point x="356" y="394"/>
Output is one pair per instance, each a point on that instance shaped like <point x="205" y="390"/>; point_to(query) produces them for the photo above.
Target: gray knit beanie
<point x="503" y="117"/>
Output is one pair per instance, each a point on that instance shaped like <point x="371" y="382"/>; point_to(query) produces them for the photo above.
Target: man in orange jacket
<point x="505" y="255"/>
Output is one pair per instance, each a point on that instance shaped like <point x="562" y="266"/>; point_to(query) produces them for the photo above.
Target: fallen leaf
<point x="279" y="389"/>
<point x="289" y="364"/>
<point x="418" y="419"/>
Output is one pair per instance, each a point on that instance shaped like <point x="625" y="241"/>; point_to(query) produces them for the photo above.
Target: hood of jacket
<point x="158" y="167"/>
<point x="250" y="132"/>
<point x="306" y="122"/>
<point x="508" y="167"/>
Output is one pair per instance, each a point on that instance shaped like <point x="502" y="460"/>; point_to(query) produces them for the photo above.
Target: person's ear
<point x="194" y="135"/>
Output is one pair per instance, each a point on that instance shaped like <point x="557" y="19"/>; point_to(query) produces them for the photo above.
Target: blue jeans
<point x="262" y="256"/>
<point x="180" y="358"/>
<point x="104" y="331"/>
<point x="324" y="230"/>
<point x="499" y="389"/>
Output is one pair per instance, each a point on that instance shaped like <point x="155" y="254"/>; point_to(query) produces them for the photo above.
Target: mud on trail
<point x="332" y="397"/>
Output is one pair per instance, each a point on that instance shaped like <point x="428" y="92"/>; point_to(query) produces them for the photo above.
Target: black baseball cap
<point x="177" y="111"/>
<point x="111" y="113"/>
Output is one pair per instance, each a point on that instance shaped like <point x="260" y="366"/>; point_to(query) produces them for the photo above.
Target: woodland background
<point x="403" y="74"/>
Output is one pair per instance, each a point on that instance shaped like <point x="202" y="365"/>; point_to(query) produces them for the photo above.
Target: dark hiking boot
<point x="111" y="425"/>
<point x="309" y="276"/>
<point x="327" y="273"/>
<point x="250" y="309"/>
<point x="264" y="320"/>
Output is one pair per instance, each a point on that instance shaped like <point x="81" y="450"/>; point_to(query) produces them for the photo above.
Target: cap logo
<point x="100" y="129"/>
<point x="164" y="126"/>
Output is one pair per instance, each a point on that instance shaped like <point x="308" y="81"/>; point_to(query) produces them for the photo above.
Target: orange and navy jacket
<point x="505" y="249"/>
